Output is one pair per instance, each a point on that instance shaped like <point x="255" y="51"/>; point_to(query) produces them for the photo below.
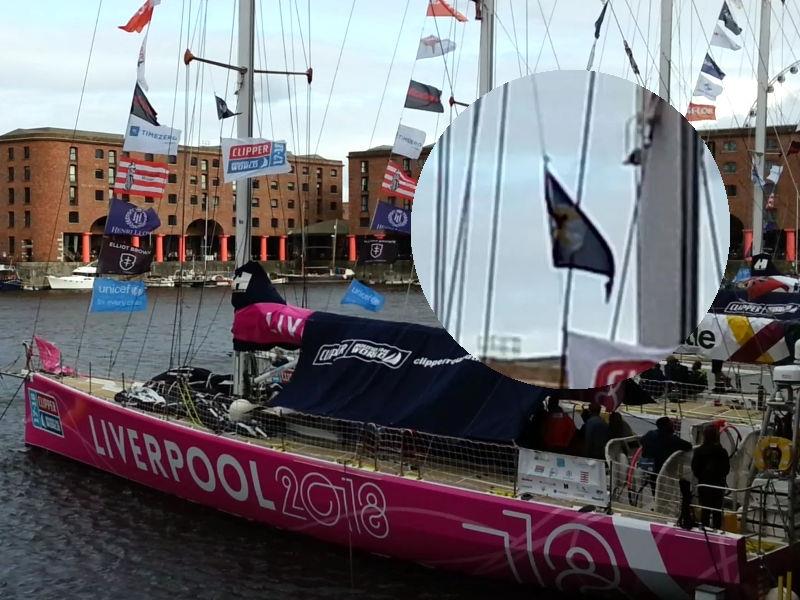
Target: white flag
<point x="707" y="87"/>
<point x="775" y="174"/>
<point x="141" y="136"/>
<point x="431" y="46"/>
<point x="140" y="65"/>
<point x="408" y="142"/>
<point x="724" y="38"/>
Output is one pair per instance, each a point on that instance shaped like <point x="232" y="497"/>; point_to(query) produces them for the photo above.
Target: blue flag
<point x="360" y="294"/>
<point x="577" y="244"/>
<point x="125" y="218"/>
<point x="111" y="295"/>
<point x="743" y="274"/>
<point x="711" y="68"/>
<point x="387" y="216"/>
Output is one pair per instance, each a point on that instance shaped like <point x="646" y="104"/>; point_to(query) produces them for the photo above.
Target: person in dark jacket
<point x="596" y="433"/>
<point x="711" y="465"/>
<point x="658" y="445"/>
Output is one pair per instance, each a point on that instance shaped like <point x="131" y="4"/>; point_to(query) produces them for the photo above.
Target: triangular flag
<point x="711" y="68"/>
<point x="727" y="19"/>
<point x="775" y="174"/>
<point x="724" y="38"/>
<point x="431" y="46"/>
<point x="707" y="87"/>
<point x="597" y="25"/>
<point x="140" y="65"/>
<point x="141" y="17"/>
<point x="440" y="8"/>
<point x="142" y="108"/>
<point x="794" y="148"/>
<point x="223" y="112"/>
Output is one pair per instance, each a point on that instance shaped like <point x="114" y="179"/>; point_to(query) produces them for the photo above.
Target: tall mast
<point x="244" y="129"/>
<point x="665" y="64"/>
<point x="486" y="60"/>
<point x="761" y="127"/>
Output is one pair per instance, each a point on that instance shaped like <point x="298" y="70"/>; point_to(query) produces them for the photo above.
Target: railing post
<point x="90" y="378"/>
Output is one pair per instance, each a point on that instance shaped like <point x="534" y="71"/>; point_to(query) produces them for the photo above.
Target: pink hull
<point x="429" y="523"/>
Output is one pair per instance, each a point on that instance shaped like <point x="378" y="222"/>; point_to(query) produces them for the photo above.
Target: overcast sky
<point x="529" y="291"/>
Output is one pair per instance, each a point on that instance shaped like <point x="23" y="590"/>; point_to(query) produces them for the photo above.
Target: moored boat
<point x="9" y="278"/>
<point x="82" y="278"/>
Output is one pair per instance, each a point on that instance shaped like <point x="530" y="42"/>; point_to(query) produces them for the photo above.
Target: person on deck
<point x="711" y="465"/>
<point x="558" y="427"/>
<point x="658" y="445"/>
<point x="596" y="433"/>
<point x="618" y="427"/>
<point x="653" y="381"/>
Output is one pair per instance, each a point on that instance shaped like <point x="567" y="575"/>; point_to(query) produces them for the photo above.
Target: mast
<point x="665" y="63"/>
<point x="486" y="58"/>
<point x="244" y="129"/>
<point x="761" y="127"/>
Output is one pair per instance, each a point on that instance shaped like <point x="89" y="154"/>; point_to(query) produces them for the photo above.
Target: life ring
<point x="773" y="453"/>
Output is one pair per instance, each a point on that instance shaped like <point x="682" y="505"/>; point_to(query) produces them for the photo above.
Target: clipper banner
<point x="253" y="157"/>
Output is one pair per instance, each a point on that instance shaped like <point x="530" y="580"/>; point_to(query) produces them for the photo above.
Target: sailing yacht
<point x="82" y="278"/>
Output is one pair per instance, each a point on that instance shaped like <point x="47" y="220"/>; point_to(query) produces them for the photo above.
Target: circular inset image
<point x="570" y="229"/>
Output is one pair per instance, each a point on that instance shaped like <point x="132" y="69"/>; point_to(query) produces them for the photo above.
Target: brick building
<point x="365" y="176"/>
<point x="732" y="150"/>
<point x="58" y="184"/>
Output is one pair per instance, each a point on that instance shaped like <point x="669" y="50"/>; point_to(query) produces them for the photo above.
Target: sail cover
<point x="404" y="375"/>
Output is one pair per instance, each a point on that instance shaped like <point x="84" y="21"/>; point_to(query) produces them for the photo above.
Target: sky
<point x="529" y="292"/>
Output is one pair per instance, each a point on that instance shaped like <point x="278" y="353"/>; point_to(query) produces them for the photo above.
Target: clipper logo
<point x="44" y="413"/>
<point x="757" y="310"/>
<point x="365" y="350"/>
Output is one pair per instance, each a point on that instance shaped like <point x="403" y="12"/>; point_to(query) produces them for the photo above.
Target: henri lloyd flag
<point x="122" y="259"/>
<point x="424" y="97"/>
<point x="141" y="177"/>
<point x="397" y="183"/>
<point x="252" y="157"/>
<point x="387" y="216"/>
<point x="125" y="218"/>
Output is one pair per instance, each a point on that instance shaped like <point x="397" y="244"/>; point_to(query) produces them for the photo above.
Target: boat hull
<point x="70" y="283"/>
<point x="429" y="523"/>
<point x="10" y="285"/>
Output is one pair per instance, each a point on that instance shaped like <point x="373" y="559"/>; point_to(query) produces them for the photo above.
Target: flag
<point x="774" y="174"/>
<point x="756" y="178"/>
<point x="253" y="157"/>
<point x="122" y="259"/>
<point x="598" y="363"/>
<point x="724" y="38"/>
<point x="758" y="286"/>
<point x="711" y="68"/>
<point x="223" y="112"/>
<point x="363" y="296"/>
<point x="387" y="216"/>
<point x="597" y="25"/>
<point x="727" y="19"/>
<point x="397" y="183"/>
<point x="432" y="46"/>
<point x="701" y="112"/>
<point x="577" y="243"/>
<point x="141" y="17"/>
<point x="743" y="274"/>
<point x="440" y="8"/>
<point x="143" y="136"/>
<point x="50" y="357"/>
<point x="110" y="295"/>
<point x="794" y="148"/>
<point x="424" y="97"/>
<point x="408" y="142"/>
<point x="141" y="177"/>
<point x="707" y="87"/>
<point x="125" y="218"/>
<point x="140" y="65"/>
<point x="763" y="265"/>
<point x="738" y="338"/>
<point x="377" y="251"/>
<point x="141" y="107"/>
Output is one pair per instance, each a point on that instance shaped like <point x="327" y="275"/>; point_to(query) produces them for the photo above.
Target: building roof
<point x="339" y="226"/>
<point x="382" y="150"/>
<point x="79" y="135"/>
<point x="744" y="131"/>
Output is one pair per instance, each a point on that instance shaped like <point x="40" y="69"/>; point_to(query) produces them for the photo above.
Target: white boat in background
<point x="81" y="278"/>
<point x="159" y="281"/>
<point x="319" y="275"/>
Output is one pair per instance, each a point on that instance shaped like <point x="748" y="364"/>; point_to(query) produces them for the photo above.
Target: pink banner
<point x="50" y="357"/>
<point x="270" y="323"/>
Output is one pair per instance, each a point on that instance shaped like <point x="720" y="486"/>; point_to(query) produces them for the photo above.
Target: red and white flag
<point x="397" y="183"/>
<point x="141" y="177"/>
<point x="440" y="8"/>
<point x="141" y="17"/>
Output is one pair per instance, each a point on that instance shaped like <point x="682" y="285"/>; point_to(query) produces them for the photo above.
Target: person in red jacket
<point x="558" y="427"/>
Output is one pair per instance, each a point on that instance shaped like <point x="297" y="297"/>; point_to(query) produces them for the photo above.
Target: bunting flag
<point x="363" y="296"/>
<point x="701" y="112"/>
<point x="122" y="259"/>
<point x="756" y="178"/>
<point x="141" y="107"/>
<point x="424" y="97"/>
<point x="598" y="24"/>
<point x="388" y="216"/>
<point x="143" y="133"/>
<point x="774" y="174"/>
<point x="397" y="183"/>
<point x="727" y="19"/>
<point x="125" y="218"/>
<point x="377" y="251"/>
<point x="440" y="8"/>
<point x="110" y="295"/>
<point x="50" y="357"/>
<point x="141" y="177"/>
<point x="794" y="148"/>
<point x="724" y="38"/>
<point x="141" y="17"/>
<point x="707" y="87"/>
<point x="223" y="112"/>
<point x="577" y="244"/>
<point x="711" y="68"/>
<point x="432" y="46"/>
<point x="140" y="65"/>
<point x="408" y="142"/>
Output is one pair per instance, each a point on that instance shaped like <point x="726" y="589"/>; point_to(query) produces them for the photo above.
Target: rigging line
<point x="711" y="219"/>
<point x="11" y="399"/>
<point x="450" y="80"/>
<point x="514" y="29"/>
<point x="66" y="173"/>
<point x="587" y="124"/>
<point x="335" y="73"/>
<point x="527" y="38"/>
<point x="628" y="49"/>
<point x="501" y="147"/>
<point x="547" y="32"/>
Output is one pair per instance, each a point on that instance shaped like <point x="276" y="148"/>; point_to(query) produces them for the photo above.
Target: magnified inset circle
<point x="570" y="229"/>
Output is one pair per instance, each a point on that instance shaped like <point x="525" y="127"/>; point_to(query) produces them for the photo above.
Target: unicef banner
<point x="110" y="295"/>
<point x="253" y="157"/>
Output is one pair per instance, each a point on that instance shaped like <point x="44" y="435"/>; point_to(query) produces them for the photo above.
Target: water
<point x="69" y="531"/>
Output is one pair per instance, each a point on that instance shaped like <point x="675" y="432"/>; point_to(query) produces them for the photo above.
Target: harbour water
<point x="68" y="531"/>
